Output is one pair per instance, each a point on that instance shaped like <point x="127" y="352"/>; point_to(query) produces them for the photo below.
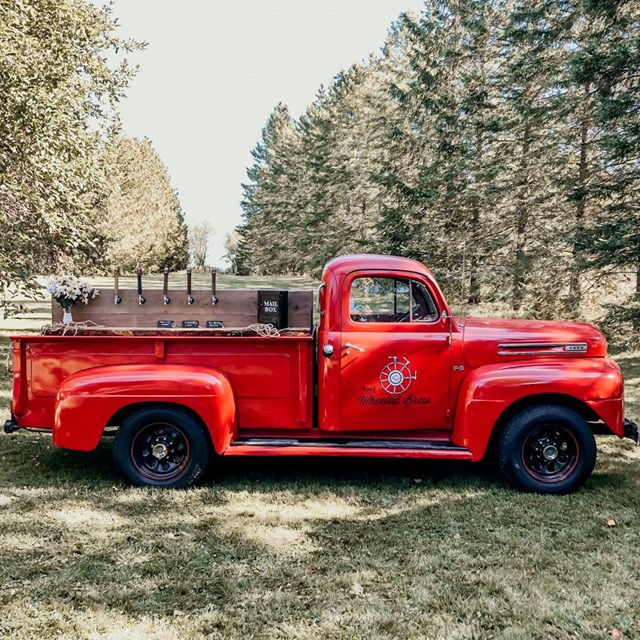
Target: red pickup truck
<point x="389" y="372"/>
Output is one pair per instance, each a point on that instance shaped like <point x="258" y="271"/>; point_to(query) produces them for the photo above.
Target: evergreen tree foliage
<point x="140" y="216"/>
<point x="609" y="61"/>
<point x="498" y="141"/>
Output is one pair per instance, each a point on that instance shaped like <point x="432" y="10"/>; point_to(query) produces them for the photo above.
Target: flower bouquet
<point x="68" y="290"/>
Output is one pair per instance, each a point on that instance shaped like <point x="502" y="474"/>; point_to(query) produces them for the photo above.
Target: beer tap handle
<point x="165" y="297"/>
<point x="214" y="299"/>
<point x="116" y="286"/>
<point x="141" y="299"/>
<point x="190" y="299"/>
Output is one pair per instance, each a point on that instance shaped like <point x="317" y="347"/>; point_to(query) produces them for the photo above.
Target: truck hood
<point x="489" y="340"/>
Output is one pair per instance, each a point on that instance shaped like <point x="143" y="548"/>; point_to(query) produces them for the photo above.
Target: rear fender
<point x="87" y="400"/>
<point x="488" y="392"/>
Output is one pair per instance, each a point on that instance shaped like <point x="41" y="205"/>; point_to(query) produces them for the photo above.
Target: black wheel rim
<point x="160" y="451"/>
<point x="550" y="453"/>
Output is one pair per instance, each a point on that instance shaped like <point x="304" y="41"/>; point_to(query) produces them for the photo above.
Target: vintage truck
<point x="388" y="372"/>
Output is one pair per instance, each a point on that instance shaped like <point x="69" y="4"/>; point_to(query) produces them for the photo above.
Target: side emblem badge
<point x="395" y="376"/>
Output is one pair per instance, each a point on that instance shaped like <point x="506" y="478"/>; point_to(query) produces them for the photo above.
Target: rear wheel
<point x="547" y="449"/>
<point x="161" y="447"/>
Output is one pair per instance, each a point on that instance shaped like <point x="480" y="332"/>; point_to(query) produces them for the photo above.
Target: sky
<point x="213" y="71"/>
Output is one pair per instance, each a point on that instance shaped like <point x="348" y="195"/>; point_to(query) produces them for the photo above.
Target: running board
<point x="356" y="448"/>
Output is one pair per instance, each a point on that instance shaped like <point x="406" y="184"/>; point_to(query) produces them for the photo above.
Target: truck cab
<point x="388" y="372"/>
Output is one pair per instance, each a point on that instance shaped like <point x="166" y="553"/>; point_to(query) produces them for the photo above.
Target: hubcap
<point x="160" y="451"/>
<point x="550" y="453"/>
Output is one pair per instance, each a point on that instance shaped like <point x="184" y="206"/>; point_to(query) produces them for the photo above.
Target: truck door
<point x="395" y="355"/>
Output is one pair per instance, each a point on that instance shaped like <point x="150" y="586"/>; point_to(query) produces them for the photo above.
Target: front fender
<point x="86" y="401"/>
<point x="487" y="392"/>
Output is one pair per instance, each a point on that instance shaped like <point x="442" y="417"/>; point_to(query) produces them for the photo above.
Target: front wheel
<point x="547" y="449"/>
<point x="161" y="447"/>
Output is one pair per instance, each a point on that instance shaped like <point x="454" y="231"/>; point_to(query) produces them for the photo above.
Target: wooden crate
<point x="235" y="308"/>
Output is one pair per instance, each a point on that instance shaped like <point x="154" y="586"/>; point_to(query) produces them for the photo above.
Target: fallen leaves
<point x="611" y="523"/>
<point x="356" y="589"/>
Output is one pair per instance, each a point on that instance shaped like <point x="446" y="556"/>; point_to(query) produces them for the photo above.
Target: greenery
<point x="335" y="549"/>
<point x="199" y="235"/>
<point x="140" y="214"/>
<point x="496" y="141"/>
<point x="66" y="200"/>
<point x="58" y="96"/>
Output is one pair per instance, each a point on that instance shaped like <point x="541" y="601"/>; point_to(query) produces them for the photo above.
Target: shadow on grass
<point x="32" y="460"/>
<point x="316" y="547"/>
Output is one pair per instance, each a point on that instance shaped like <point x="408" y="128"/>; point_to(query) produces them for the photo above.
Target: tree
<point x="198" y="235"/>
<point x="141" y="215"/>
<point x="58" y="99"/>
<point x="270" y="229"/>
<point x="231" y="246"/>
<point x="608" y="61"/>
<point x="496" y="140"/>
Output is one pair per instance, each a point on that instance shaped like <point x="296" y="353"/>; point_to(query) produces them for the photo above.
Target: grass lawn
<point x="316" y="549"/>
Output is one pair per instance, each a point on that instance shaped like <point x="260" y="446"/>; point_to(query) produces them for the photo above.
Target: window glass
<point x="390" y="300"/>
<point x="423" y="308"/>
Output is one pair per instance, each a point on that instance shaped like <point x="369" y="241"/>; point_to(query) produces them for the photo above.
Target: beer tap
<point x="141" y="299"/>
<point x="214" y="299"/>
<point x="116" y="288"/>
<point x="190" y="299"/>
<point x="165" y="297"/>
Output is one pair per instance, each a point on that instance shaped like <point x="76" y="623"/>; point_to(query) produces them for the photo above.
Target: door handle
<point x="348" y="345"/>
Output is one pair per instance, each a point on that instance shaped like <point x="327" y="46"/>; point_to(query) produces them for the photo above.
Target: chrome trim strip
<point x="537" y="348"/>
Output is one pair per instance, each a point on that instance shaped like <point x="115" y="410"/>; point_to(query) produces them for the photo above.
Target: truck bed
<point x="272" y="376"/>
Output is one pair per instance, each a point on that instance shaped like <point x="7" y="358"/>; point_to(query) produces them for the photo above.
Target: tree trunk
<point x="474" y="277"/>
<point x="522" y="222"/>
<point x="575" y="291"/>
<point x="476" y="242"/>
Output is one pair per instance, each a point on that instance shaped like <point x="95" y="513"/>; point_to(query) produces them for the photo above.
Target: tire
<point x="547" y="449"/>
<point x="161" y="447"/>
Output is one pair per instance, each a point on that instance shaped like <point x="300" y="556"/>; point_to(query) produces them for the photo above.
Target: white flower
<point x="68" y="290"/>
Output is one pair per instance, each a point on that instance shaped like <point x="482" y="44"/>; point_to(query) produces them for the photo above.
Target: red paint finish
<point x="401" y="378"/>
<point x="264" y="381"/>
<point x="483" y="337"/>
<point x="444" y="380"/>
<point x="355" y="452"/>
<point x="487" y="392"/>
<point x="87" y="400"/>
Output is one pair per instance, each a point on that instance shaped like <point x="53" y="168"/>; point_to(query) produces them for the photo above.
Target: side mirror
<point x="445" y="316"/>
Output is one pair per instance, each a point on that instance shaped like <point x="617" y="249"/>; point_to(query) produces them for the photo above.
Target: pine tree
<point x="141" y="214"/>
<point x="268" y="233"/>
<point x="608" y="61"/>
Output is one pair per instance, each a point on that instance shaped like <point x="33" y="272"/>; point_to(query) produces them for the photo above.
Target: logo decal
<point x="395" y="376"/>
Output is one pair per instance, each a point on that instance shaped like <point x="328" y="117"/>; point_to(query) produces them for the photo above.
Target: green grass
<point x="314" y="549"/>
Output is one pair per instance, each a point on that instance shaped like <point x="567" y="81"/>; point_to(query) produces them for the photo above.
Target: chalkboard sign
<point x="215" y="324"/>
<point x="166" y="324"/>
<point x="190" y="324"/>
<point x="273" y="307"/>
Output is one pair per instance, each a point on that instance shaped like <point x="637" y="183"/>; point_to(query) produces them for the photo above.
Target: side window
<point x="390" y="300"/>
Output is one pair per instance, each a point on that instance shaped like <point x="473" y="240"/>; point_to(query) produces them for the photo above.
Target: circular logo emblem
<point x="395" y="376"/>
